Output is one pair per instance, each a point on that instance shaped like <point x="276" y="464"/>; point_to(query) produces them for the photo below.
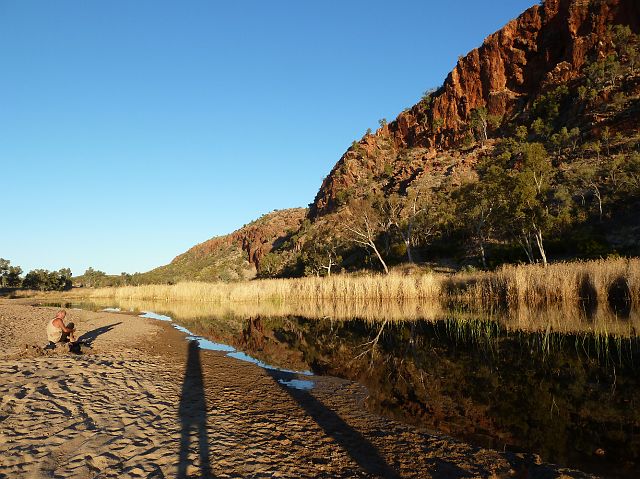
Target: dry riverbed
<point x="143" y="402"/>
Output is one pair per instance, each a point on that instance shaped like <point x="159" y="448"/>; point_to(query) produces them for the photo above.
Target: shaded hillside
<point x="233" y="256"/>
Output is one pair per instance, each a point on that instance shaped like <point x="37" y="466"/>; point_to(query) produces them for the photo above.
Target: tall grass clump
<point x="606" y="281"/>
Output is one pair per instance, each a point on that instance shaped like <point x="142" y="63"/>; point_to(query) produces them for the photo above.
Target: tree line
<point x="61" y="280"/>
<point x="37" y="279"/>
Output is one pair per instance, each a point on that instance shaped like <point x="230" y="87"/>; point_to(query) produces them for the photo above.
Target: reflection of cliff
<point x="278" y="344"/>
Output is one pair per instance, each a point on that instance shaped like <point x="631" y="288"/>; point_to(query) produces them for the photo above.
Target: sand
<point x="143" y="402"/>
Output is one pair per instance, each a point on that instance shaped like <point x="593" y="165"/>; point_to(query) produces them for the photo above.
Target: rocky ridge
<point x="545" y="46"/>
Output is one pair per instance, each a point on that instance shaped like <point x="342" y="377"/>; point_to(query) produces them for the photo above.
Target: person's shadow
<point x="90" y="336"/>
<point x="357" y="446"/>
<point x="193" y="415"/>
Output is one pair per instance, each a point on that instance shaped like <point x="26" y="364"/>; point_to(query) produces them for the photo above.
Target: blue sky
<point x="132" y="130"/>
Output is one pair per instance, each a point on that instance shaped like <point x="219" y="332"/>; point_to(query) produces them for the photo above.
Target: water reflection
<point x="562" y="383"/>
<point x="584" y="317"/>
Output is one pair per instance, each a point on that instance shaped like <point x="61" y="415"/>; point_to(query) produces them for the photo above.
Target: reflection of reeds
<point x="565" y="319"/>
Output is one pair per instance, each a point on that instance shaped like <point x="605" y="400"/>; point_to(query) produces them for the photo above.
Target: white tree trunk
<point x="541" y="247"/>
<point x="384" y="265"/>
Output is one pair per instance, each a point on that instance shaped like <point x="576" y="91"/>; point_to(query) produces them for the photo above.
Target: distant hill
<point x="529" y="149"/>
<point x="233" y="256"/>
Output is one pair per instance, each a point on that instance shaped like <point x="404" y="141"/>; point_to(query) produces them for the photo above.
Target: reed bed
<point x="588" y="283"/>
<point x="614" y="283"/>
<point x="391" y="288"/>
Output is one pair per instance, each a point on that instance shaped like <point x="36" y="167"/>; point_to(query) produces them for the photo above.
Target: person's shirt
<point x="54" y="333"/>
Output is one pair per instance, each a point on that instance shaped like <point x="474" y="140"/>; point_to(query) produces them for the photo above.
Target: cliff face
<point x="545" y="46"/>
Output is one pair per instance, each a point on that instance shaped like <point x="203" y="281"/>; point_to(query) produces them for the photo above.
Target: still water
<point x="562" y="384"/>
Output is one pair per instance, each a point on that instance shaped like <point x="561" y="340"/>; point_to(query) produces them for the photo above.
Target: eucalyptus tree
<point x="364" y="226"/>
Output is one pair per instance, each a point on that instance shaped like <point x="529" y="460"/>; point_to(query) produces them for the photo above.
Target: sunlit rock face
<point x="544" y="47"/>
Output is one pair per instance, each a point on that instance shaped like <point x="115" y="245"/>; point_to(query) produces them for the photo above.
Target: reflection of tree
<point x="370" y="346"/>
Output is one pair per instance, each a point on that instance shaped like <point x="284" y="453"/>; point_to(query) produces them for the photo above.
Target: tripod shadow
<point x="90" y="336"/>
<point x="193" y="415"/>
<point x="359" y="448"/>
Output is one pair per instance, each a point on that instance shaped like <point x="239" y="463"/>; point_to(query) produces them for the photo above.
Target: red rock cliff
<point x="547" y="44"/>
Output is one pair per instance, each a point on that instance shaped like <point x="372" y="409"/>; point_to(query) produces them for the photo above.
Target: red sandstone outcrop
<point x="548" y="44"/>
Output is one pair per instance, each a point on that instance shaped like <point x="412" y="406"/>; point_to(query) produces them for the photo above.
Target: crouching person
<point x="58" y="332"/>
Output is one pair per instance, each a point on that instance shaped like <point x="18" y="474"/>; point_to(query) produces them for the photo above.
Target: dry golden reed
<point x="593" y="282"/>
<point x="588" y="284"/>
<point x="337" y="287"/>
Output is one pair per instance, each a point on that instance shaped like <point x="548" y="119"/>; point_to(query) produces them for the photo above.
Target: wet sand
<point x="143" y="402"/>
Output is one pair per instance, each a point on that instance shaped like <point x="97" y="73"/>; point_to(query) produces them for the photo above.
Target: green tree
<point x="4" y="270"/>
<point x="587" y="181"/>
<point x="44" y="280"/>
<point x="528" y="202"/>
<point x="13" y="277"/>
<point x="321" y="254"/>
<point x="270" y="265"/>
<point x="414" y="216"/>
<point x="525" y="204"/>
<point x="479" y="205"/>
<point x="9" y="275"/>
<point x="94" y="278"/>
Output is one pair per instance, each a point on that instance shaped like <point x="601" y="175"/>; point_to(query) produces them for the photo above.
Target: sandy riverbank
<point x="144" y="403"/>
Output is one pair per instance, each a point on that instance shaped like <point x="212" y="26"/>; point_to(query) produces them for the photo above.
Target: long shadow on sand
<point x="361" y="450"/>
<point x="90" y="336"/>
<point x="193" y="415"/>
